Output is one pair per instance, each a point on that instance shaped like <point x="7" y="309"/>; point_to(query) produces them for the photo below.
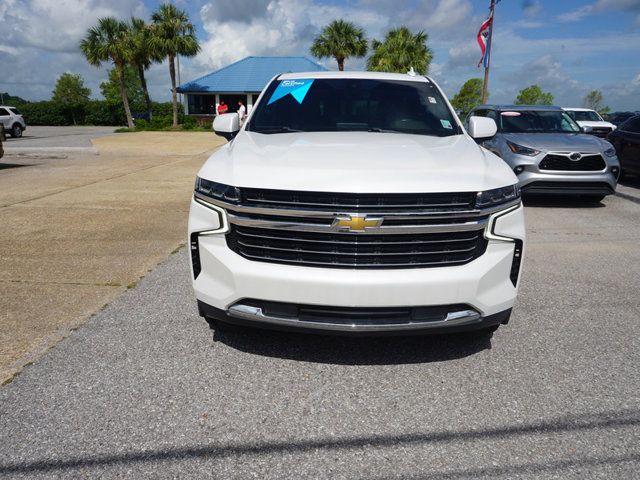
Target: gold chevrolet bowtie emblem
<point x="356" y="224"/>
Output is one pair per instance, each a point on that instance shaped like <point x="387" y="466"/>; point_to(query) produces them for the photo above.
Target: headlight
<point x="611" y="152"/>
<point x="520" y="150"/>
<point x="497" y="196"/>
<point x="218" y="191"/>
<point x="587" y="129"/>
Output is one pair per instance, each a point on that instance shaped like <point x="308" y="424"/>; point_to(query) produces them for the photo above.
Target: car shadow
<point x="349" y="350"/>
<point x="559" y="201"/>
<point x="4" y="166"/>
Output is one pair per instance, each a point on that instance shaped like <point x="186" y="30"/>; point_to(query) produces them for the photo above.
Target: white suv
<point x="355" y="203"/>
<point x="12" y="120"/>
<point x="590" y="121"/>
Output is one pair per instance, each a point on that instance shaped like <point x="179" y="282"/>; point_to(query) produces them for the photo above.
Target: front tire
<point x="16" y="131"/>
<point x="595" y="198"/>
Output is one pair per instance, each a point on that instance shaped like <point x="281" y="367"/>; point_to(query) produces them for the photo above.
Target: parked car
<point x="546" y="149"/>
<point x="12" y="120"/>
<point x="590" y="121"/>
<point x="618" y="118"/>
<point x="355" y="202"/>
<point x="626" y="140"/>
<point x="2" y="140"/>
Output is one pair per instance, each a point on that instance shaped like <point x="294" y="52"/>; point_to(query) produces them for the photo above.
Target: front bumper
<point x="533" y="180"/>
<point x="255" y="314"/>
<point x="226" y="279"/>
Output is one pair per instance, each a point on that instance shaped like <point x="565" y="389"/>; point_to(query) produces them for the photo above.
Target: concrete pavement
<point x="80" y="229"/>
<point x="142" y="390"/>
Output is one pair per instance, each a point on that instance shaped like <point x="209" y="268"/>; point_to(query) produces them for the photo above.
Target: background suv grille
<point x="353" y="250"/>
<point x="587" y="163"/>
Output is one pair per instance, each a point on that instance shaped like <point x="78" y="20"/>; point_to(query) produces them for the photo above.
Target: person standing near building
<point x="242" y="111"/>
<point x="222" y="108"/>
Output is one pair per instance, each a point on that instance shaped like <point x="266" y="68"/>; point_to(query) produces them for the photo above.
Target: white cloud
<point x="600" y="6"/>
<point x="57" y="25"/>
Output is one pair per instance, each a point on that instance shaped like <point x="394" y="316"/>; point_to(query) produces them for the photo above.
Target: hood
<point x="360" y="162"/>
<point x="558" y="142"/>
<point x="596" y="124"/>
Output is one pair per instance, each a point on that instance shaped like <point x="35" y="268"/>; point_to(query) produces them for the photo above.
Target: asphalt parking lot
<point x="50" y="139"/>
<point x="144" y="390"/>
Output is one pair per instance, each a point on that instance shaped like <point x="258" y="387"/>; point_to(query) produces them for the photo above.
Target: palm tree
<point x="340" y="40"/>
<point x="401" y="50"/>
<point x="142" y="54"/>
<point x="110" y="41"/>
<point x="172" y="35"/>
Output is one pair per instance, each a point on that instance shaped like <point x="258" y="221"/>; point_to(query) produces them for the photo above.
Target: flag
<point x="483" y="40"/>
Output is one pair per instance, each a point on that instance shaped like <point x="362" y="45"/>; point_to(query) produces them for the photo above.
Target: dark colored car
<point x="626" y="140"/>
<point x="618" y="118"/>
<point x="2" y="139"/>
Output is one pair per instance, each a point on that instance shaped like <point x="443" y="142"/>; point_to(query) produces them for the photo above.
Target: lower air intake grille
<point x="354" y="250"/>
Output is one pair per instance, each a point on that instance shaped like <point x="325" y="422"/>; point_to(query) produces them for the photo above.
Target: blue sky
<point x="568" y="47"/>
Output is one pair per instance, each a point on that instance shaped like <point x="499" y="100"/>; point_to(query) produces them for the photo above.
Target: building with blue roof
<point x="242" y="80"/>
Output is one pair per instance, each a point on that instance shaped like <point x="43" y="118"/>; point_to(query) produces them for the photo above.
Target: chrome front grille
<point x="345" y="230"/>
<point x="357" y="250"/>
<point x="370" y="202"/>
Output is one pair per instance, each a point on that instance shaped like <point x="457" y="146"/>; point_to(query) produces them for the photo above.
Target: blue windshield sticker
<point x="297" y="88"/>
<point x="446" y="124"/>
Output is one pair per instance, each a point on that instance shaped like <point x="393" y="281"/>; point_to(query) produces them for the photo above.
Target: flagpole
<point x="485" y="92"/>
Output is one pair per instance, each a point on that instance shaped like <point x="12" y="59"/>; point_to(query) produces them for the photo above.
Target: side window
<point x="3" y="112"/>
<point x="633" y="125"/>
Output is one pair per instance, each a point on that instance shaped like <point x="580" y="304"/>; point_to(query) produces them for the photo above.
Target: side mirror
<point x="482" y="128"/>
<point x="227" y="125"/>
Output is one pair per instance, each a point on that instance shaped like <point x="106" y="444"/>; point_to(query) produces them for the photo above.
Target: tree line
<point x="399" y="51"/>
<point x="131" y="47"/>
<point x="138" y="45"/>
<point x="470" y="96"/>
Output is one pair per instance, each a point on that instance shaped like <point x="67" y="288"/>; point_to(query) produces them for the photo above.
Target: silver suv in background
<point x="12" y="121"/>
<point x="549" y="153"/>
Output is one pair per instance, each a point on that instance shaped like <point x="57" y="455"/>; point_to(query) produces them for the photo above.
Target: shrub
<point x="141" y="124"/>
<point x="189" y="123"/>
<point x="44" y="113"/>
<point x="101" y="112"/>
<point x="159" y="122"/>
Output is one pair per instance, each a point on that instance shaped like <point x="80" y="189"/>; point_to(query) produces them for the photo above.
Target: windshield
<point x="534" y="121"/>
<point x="582" y="116"/>
<point x="15" y="110"/>
<point x="342" y="105"/>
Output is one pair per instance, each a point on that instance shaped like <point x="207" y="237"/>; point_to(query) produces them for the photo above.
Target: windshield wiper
<point x="383" y="130"/>
<point x="277" y="130"/>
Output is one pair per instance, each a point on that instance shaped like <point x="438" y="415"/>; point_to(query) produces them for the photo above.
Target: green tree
<point x="340" y="40"/>
<point x="400" y="51"/>
<point x="110" y="88"/>
<point x="71" y="95"/>
<point x="172" y="34"/>
<point x="110" y="40"/>
<point x="143" y="55"/>
<point x="533" y="95"/>
<point x="594" y="101"/>
<point x="469" y="97"/>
